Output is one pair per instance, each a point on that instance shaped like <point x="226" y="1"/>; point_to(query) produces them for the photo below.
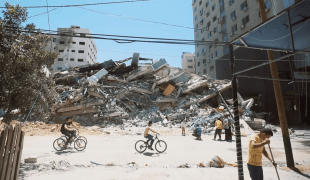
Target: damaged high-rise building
<point x="74" y="47"/>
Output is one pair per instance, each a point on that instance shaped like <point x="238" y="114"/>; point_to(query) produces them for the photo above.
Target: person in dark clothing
<point x="197" y="132"/>
<point x="66" y="130"/>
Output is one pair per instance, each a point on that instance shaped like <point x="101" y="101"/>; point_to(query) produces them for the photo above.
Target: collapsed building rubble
<point x="135" y="94"/>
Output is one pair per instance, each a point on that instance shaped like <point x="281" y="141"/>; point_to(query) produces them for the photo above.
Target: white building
<point x="188" y="62"/>
<point x="72" y="51"/>
<point x="224" y="20"/>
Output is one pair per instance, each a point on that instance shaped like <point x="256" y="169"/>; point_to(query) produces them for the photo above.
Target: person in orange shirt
<point x="219" y="127"/>
<point x="256" y="149"/>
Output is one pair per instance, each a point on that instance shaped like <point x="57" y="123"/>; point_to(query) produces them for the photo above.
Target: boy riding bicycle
<point x="68" y="131"/>
<point x="148" y="136"/>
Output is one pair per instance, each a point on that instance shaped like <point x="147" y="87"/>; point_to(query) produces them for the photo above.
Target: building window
<point x="71" y="59"/>
<point x="214" y="18"/>
<point x="225" y="39"/>
<point x="61" y="50"/>
<point x="201" y="12"/>
<point x="207" y="4"/>
<point x="209" y="34"/>
<point x="194" y="2"/>
<point x="73" y="42"/>
<point x="226" y="50"/>
<point x="197" y="54"/>
<point x="231" y="2"/>
<point x="195" y="9"/>
<point x="59" y="68"/>
<point x="200" y="2"/>
<point x="196" y="26"/>
<point x="204" y="71"/>
<point x="208" y="14"/>
<point x="204" y="61"/>
<point x="61" y="42"/>
<point x="221" y="3"/>
<point x="204" y="50"/>
<point x="81" y="43"/>
<point x="267" y="4"/>
<point x="196" y="17"/>
<point x="198" y="64"/>
<point x="208" y="24"/>
<point x="215" y="29"/>
<point x="72" y="50"/>
<point x="190" y="66"/>
<point x="213" y="7"/>
<point x="190" y="60"/>
<point x="211" y="68"/>
<point x="60" y="59"/>
<point x="244" y="5"/>
<point x="54" y="39"/>
<point x="80" y="60"/>
<point x="201" y="22"/>
<point x="81" y="51"/>
<point x="234" y="28"/>
<point x="224" y="26"/>
<point x="202" y="30"/>
<point x="217" y="53"/>
<point x="211" y="56"/>
<point x="233" y="15"/>
<point x="245" y="20"/>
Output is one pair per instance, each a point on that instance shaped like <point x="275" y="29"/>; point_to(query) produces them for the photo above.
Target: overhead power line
<point x="126" y="39"/>
<point x="79" y="5"/>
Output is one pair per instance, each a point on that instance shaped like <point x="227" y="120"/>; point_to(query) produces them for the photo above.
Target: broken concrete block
<point x="140" y="90"/>
<point x="95" y="78"/>
<point x="168" y="90"/>
<point x="175" y="116"/>
<point x="32" y="159"/>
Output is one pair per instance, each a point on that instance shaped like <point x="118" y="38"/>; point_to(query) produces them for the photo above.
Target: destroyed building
<point x="111" y="92"/>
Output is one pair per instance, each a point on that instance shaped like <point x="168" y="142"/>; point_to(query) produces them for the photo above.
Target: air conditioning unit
<point x="267" y="10"/>
<point x="231" y="34"/>
<point x="234" y="18"/>
<point x="243" y="26"/>
<point x="220" y="32"/>
<point x="245" y="9"/>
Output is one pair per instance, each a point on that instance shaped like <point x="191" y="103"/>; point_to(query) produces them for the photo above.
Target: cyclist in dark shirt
<point x="67" y="131"/>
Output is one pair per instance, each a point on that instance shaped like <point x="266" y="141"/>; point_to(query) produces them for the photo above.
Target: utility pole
<point x="279" y="98"/>
<point x="236" y="114"/>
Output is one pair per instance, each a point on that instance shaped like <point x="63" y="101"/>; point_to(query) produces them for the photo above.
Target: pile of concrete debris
<point x="133" y="95"/>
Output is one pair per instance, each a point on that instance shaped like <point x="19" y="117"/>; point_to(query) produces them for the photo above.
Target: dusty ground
<point x="109" y="156"/>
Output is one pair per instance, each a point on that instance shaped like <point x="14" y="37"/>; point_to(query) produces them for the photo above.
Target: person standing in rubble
<point x="227" y="124"/>
<point x="148" y="136"/>
<point x="183" y="125"/>
<point x="219" y="127"/>
<point x="256" y="150"/>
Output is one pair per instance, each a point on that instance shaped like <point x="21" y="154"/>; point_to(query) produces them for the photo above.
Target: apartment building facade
<point x="188" y="62"/>
<point x="224" y="20"/>
<point x="74" y="48"/>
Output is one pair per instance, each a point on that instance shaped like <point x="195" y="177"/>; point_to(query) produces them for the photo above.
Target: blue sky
<point x="177" y="12"/>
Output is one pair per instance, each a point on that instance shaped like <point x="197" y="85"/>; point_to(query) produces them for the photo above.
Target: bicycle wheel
<point x="140" y="146"/>
<point x="84" y="138"/>
<point x="79" y="144"/>
<point x="160" y="146"/>
<point x="59" y="144"/>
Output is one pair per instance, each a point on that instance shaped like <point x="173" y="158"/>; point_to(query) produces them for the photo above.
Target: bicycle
<point x="80" y="142"/>
<point x="160" y="145"/>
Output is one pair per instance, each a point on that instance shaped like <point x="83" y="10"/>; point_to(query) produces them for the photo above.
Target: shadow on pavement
<point x="67" y="152"/>
<point x="299" y="172"/>
<point x="151" y="154"/>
